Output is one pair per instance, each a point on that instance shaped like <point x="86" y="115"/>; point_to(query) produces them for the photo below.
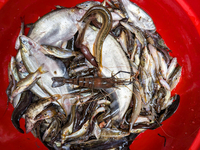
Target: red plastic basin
<point x="178" y="23"/>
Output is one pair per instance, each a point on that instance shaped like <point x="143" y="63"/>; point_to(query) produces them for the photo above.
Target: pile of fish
<point x="92" y="77"/>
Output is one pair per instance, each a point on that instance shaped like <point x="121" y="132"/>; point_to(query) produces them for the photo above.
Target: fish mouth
<point x="29" y="124"/>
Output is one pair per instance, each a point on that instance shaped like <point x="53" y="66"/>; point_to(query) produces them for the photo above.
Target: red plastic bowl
<point x="178" y="23"/>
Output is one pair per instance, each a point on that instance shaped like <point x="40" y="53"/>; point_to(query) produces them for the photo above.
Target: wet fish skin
<point x="27" y="82"/>
<point x="164" y="84"/>
<point x="52" y="129"/>
<point x="171" y="67"/>
<point x="35" y="108"/>
<point x="137" y="105"/>
<point x="35" y="89"/>
<point x="78" y="133"/>
<point x="20" y="109"/>
<point x="56" y="27"/>
<point x="175" y="77"/>
<point x="135" y="31"/>
<point x="112" y="133"/>
<point x="152" y="68"/>
<point x="155" y="56"/>
<point x="57" y="52"/>
<point x="47" y="113"/>
<point x="163" y="65"/>
<point x="88" y="4"/>
<point x="138" y="16"/>
<point x="144" y="61"/>
<point x="32" y="58"/>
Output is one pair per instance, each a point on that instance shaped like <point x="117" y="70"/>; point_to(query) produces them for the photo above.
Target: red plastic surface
<point x="178" y="23"/>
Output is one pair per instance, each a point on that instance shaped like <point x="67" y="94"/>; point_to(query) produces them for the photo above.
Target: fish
<point x="67" y="128"/>
<point x="35" y="89"/>
<point x="163" y="65"/>
<point x="152" y="68"/>
<point x="32" y="58"/>
<point x="137" y="106"/>
<point x="165" y="84"/>
<point x="112" y="133"/>
<point x="135" y="31"/>
<point x="138" y="16"/>
<point x="57" y="52"/>
<point x="171" y="67"/>
<point x="13" y="79"/>
<point x="56" y="27"/>
<point x="51" y="130"/>
<point x="175" y="77"/>
<point x="20" y="109"/>
<point x="49" y="112"/>
<point x="155" y="56"/>
<point x="35" y="108"/>
<point x="88" y="4"/>
<point x="123" y="41"/>
<point x="78" y="133"/>
<point x="28" y="82"/>
<point x="144" y="61"/>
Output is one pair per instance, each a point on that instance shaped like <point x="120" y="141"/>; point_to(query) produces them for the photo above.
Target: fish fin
<point x="40" y="69"/>
<point x="30" y="25"/>
<point x="58" y="81"/>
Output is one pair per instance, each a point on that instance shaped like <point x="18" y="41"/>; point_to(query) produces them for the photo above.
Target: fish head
<point x="86" y="5"/>
<point x="77" y="14"/>
<point x="25" y="43"/>
<point x="28" y="45"/>
<point x="29" y="124"/>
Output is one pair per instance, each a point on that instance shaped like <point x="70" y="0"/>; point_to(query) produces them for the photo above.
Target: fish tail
<point x="58" y="81"/>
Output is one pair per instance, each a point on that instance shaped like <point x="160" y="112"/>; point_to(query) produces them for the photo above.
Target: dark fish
<point x="122" y="143"/>
<point x="20" y="109"/>
<point x="173" y="107"/>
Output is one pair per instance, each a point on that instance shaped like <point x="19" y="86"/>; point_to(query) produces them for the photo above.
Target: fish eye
<point x="24" y="41"/>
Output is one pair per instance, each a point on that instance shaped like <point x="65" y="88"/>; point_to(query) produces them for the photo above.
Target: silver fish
<point x="57" y="52"/>
<point x="163" y="65"/>
<point x="35" y="89"/>
<point x="56" y="27"/>
<point x="123" y="41"/>
<point x="152" y="68"/>
<point x="171" y="67"/>
<point x="154" y="54"/>
<point x="78" y="133"/>
<point x="138" y="16"/>
<point x="13" y="69"/>
<point x="51" y="129"/>
<point x="137" y="105"/>
<point x="28" y="82"/>
<point x="164" y="84"/>
<point x="137" y="33"/>
<point x="32" y="58"/>
<point x="175" y="77"/>
<point x="112" y="133"/>
<point x="145" y="59"/>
